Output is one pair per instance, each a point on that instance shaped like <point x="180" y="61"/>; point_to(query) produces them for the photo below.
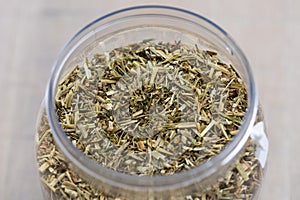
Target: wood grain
<point x="32" y="32"/>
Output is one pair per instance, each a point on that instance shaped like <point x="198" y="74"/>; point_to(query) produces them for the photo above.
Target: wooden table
<point x="32" y="32"/>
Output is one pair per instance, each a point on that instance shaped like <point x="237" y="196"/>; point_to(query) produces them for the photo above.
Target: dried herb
<point x="150" y="109"/>
<point x="61" y="182"/>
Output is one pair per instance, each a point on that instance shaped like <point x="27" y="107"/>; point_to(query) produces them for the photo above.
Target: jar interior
<point x="107" y="36"/>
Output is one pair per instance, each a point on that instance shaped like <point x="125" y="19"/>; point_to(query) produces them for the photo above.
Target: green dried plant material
<point x="151" y="109"/>
<point x="169" y="103"/>
<point x="61" y="182"/>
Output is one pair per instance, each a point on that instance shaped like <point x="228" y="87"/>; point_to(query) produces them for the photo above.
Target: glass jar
<point x="68" y="168"/>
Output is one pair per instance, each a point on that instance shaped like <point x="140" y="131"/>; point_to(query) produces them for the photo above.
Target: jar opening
<point x="137" y="83"/>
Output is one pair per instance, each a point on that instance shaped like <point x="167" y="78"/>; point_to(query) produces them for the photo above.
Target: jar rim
<point x="149" y="183"/>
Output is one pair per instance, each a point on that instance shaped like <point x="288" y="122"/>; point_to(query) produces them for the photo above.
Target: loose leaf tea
<point x="150" y="108"/>
<point x="61" y="182"/>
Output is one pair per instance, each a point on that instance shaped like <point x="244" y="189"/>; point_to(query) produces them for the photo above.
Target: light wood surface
<point x="32" y="32"/>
